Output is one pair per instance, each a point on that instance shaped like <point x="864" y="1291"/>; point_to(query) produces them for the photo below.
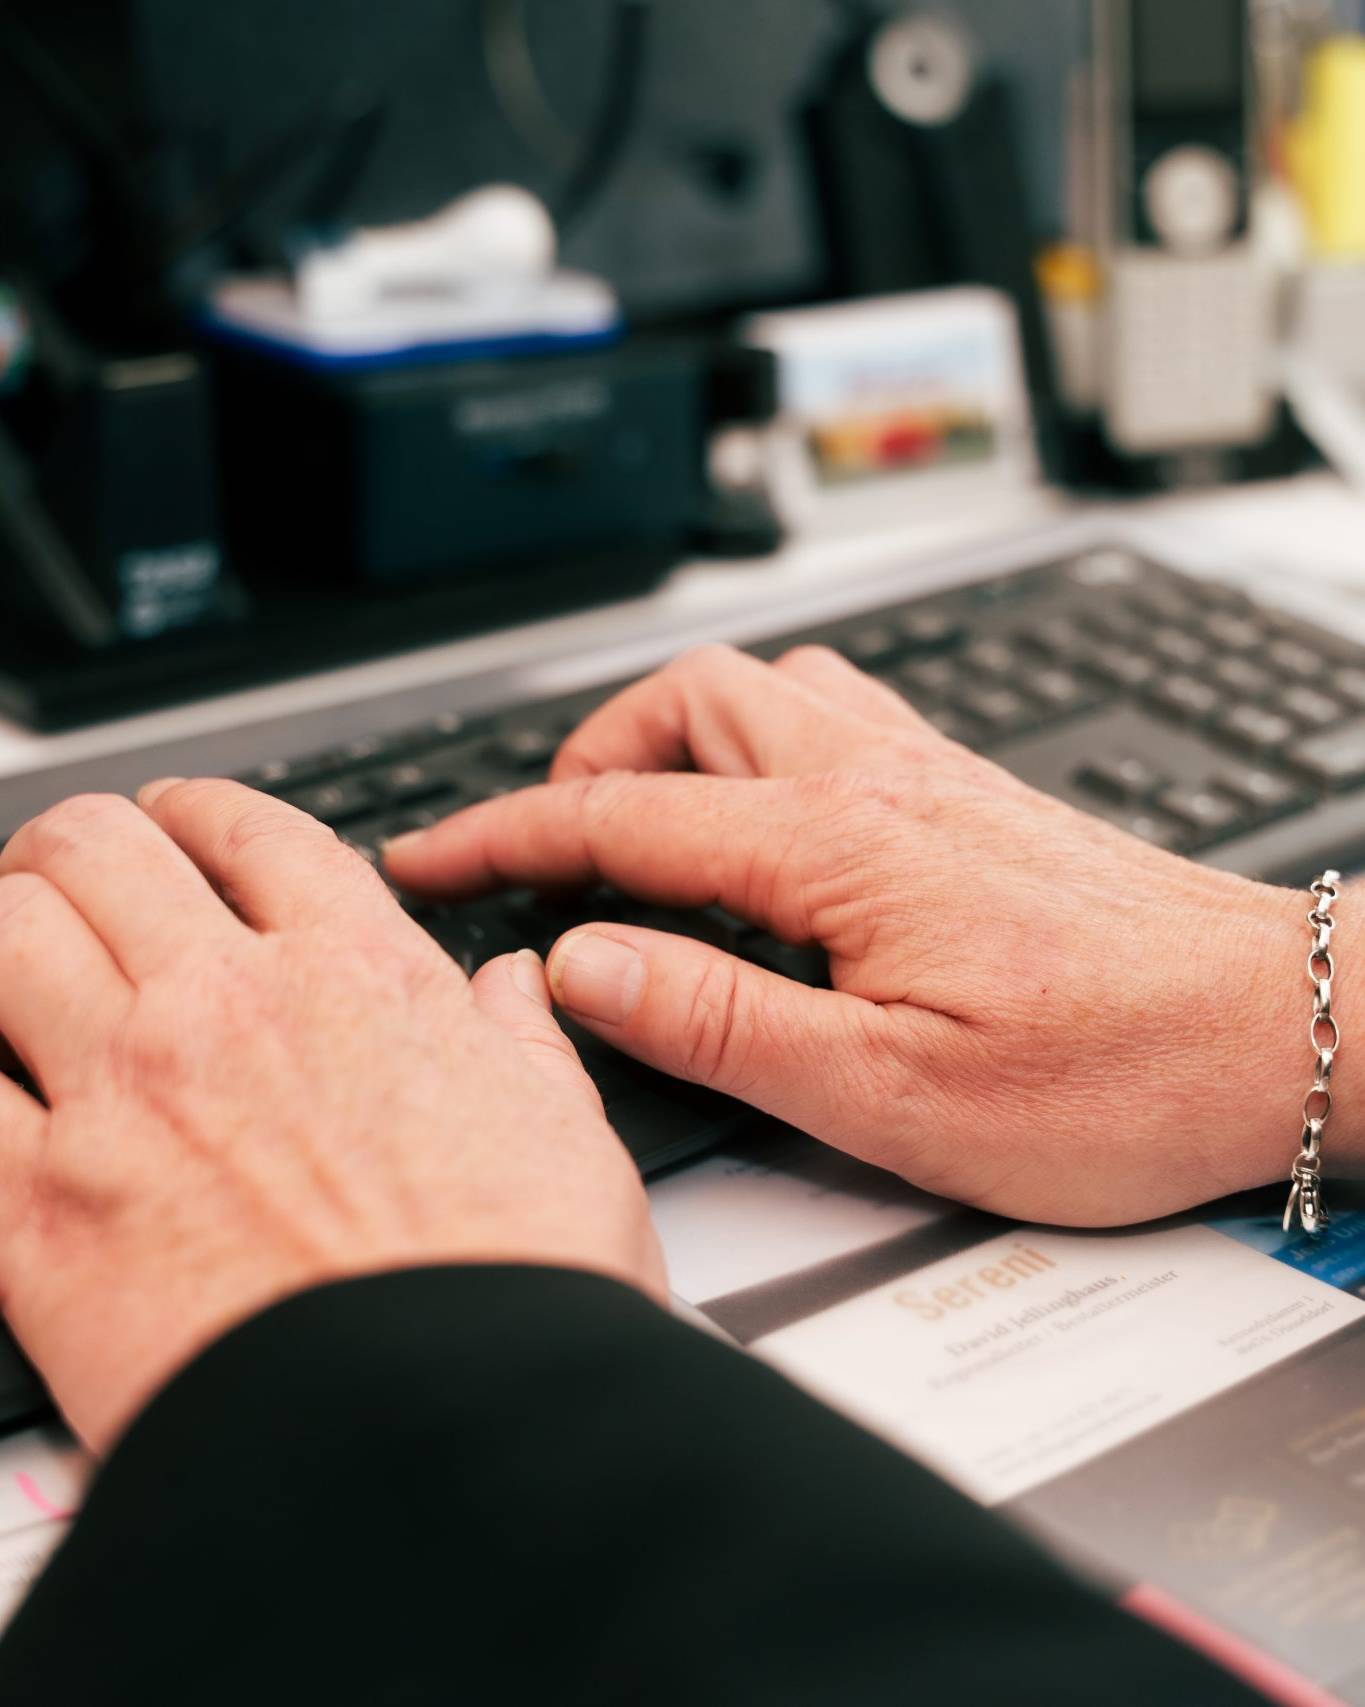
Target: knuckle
<point x="146" y="1058"/>
<point x="342" y="872"/>
<point x="544" y="1043"/>
<point x="263" y="824"/>
<point x="66" y="1190"/>
<point x="72" y="823"/>
<point x="716" y="1027"/>
<point x="245" y="832"/>
<point x="601" y="796"/>
<point x="848" y="792"/>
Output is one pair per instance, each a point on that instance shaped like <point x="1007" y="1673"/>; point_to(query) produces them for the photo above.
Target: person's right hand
<point x="1031" y="1011"/>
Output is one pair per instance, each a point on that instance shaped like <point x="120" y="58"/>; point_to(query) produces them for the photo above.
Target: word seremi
<point x="1022" y="1264"/>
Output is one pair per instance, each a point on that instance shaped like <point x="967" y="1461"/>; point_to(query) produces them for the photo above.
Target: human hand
<point x="1032" y="1011"/>
<point x="248" y="1097"/>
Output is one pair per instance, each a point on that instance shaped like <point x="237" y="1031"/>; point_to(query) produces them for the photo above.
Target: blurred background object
<point x="915" y="401"/>
<point x="328" y="326"/>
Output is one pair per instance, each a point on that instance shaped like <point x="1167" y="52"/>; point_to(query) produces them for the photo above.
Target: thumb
<point x="512" y="991"/>
<point x="804" y="1056"/>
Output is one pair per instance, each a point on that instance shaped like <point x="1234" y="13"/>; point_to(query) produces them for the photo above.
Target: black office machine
<point x="447" y="469"/>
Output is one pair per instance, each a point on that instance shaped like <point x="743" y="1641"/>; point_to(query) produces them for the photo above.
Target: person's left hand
<point x="258" y="1075"/>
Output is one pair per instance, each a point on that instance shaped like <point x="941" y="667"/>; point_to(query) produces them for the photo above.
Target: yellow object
<point x="1327" y="148"/>
<point x="1067" y="272"/>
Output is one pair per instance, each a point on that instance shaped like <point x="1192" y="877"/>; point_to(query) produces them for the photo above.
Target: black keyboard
<point x="1176" y="708"/>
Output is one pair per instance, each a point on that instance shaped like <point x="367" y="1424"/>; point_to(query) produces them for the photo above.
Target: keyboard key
<point x="990" y="658"/>
<point x="1348" y="685"/>
<point x="1242" y="677"/>
<point x="277" y="775"/>
<point x="367" y="749"/>
<point x="1260" y="789"/>
<point x="1107" y="566"/>
<point x="405" y="783"/>
<point x="1217" y="595"/>
<point x="1311" y="708"/>
<point x="1152" y="827"/>
<point x="1255" y="727"/>
<point x="1116" y="622"/>
<point x="1005" y="589"/>
<point x="352" y="753"/>
<point x="1232" y="633"/>
<point x="1059" y="637"/>
<point x="1059" y="690"/>
<point x="932" y="678"/>
<point x="1202" y="810"/>
<point x="1186" y="697"/>
<point x="1334" y="759"/>
<point x="955" y="726"/>
<point x="930" y="630"/>
<point x="1120" y="664"/>
<point x="1001" y="709"/>
<point x="421" y="736"/>
<point x="1125" y="777"/>
<point x="1161" y="603"/>
<point x="525" y="747"/>
<point x="424" y="816"/>
<point x="1293" y="659"/>
<point x="334" y="802"/>
<point x="280" y="775"/>
<point x="872" y="644"/>
<point x="1178" y="646"/>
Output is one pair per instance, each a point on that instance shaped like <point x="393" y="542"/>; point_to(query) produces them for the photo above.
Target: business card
<point x="1018" y="1359"/>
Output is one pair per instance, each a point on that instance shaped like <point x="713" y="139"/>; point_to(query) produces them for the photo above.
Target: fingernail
<point x="528" y="974"/>
<point x="597" y="977"/>
<point x="151" y="792"/>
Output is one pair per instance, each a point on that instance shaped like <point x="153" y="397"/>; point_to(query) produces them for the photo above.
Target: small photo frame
<point x="894" y="407"/>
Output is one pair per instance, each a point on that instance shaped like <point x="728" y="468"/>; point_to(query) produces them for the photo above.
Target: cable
<point x="517" y="84"/>
<point x="611" y="130"/>
<point x="520" y="92"/>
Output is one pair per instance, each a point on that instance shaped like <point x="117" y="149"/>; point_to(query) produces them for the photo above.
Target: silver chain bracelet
<point x="1324" y="1035"/>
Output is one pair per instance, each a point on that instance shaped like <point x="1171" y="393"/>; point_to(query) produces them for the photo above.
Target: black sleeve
<point x="523" y="1485"/>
